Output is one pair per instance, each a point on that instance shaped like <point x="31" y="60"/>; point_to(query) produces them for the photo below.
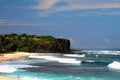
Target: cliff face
<point x="62" y="45"/>
<point x="57" y="46"/>
<point x="33" y="44"/>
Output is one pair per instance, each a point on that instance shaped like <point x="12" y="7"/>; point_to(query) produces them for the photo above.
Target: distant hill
<point x="33" y="44"/>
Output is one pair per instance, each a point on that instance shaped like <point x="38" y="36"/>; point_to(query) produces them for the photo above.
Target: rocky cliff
<point x="33" y="43"/>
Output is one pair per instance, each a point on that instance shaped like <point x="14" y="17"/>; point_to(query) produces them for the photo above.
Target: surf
<point x="60" y="60"/>
<point x="114" y="65"/>
<point x="74" y="55"/>
<point x="106" y="52"/>
<point x="7" y="69"/>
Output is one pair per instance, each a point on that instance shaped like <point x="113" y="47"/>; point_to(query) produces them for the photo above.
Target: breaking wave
<point x="107" y="52"/>
<point x="90" y="61"/>
<point x="27" y="78"/>
<point x="60" y="60"/>
<point x="7" y="69"/>
<point x="114" y="65"/>
<point x="74" y="55"/>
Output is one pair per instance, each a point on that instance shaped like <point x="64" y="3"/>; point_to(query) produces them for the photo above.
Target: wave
<point x="7" y="69"/>
<point x="96" y="62"/>
<point x="15" y="65"/>
<point x="27" y="78"/>
<point x="114" y="65"/>
<point x="90" y="61"/>
<point x="107" y="52"/>
<point x="74" y="55"/>
<point x="69" y="77"/>
<point x="60" y="60"/>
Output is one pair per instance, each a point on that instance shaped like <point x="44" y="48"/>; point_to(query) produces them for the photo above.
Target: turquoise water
<point x="92" y="67"/>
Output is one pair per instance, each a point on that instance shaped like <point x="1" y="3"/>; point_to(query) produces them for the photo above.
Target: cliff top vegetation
<point x="33" y="43"/>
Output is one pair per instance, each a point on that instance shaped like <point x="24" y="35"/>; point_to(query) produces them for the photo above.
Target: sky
<point x="86" y="23"/>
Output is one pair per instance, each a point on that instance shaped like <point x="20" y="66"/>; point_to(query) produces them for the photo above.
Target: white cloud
<point x="45" y="4"/>
<point x="73" y="42"/>
<point x="77" y="4"/>
<point x="90" y="4"/>
<point x="99" y="12"/>
<point x="50" y="6"/>
<point x="13" y="23"/>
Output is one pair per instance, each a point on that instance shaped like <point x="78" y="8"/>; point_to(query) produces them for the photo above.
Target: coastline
<point x="13" y="56"/>
<point x="19" y="55"/>
<point x="10" y="57"/>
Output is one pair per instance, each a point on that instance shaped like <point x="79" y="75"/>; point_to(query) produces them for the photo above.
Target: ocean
<point x="95" y="65"/>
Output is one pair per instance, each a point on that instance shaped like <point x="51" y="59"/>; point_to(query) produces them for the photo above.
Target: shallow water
<point x="91" y="67"/>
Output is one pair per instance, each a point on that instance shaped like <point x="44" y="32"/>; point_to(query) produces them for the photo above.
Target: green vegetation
<point x="32" y="43"/>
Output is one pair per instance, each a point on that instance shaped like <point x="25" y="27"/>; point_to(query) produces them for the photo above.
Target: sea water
<point x="95" y="65"/>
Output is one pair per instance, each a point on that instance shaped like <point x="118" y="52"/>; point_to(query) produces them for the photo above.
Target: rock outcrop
<point x="33" y="44"/>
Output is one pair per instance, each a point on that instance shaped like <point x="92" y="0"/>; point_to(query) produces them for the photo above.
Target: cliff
<point x="33" y="44"/>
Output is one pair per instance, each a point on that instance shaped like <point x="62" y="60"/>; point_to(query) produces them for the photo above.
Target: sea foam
<point x="31" y="79"/>
<point x="90" y="61"/>
<point x="74" y="55"/>
<point x="114" y="65"/>
<point x="106" y="52"/>
<point x="60" y="60"/>
<point x="7" y="69"/>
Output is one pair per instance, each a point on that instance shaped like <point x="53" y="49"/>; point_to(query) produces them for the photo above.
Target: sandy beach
<point x="7" y="78"/>
<point x="19" y="55"/>
<point x="14" y="56"/>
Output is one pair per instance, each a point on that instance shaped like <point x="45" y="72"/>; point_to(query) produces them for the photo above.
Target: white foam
<point x="107" y="52"/>
<point x="114" y="65"/>
<point x="30" y="79"/>
<point x="70" y="62"/>
<point x="33" y="78"/>
<point x="7" y="69"/>
<point x="40" y="57"/>
<point x="21" y="66"/>
<point x="90" y="61"/>
<point x="74" y="55"/>
<point x="60" y="60"/>
<point x="15" y="65"/>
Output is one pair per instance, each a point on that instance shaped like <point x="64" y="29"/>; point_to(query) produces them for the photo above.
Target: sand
<point x="8" y="78"/>
<point x="13" y="56"/>
<point x="19" y="55"/>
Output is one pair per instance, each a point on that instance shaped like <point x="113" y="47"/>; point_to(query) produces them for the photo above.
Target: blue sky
<point x="87" y="23"/>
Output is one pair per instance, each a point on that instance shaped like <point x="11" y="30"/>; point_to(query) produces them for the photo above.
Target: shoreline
<point x="13" y="56"/>
<point x="19" y="55"/>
